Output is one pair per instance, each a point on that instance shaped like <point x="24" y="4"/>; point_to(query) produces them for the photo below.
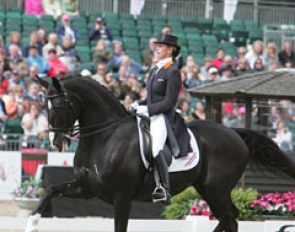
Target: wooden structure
<point x="259" y="86"/>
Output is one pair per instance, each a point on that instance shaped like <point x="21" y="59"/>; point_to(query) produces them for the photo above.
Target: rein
<point x="75" y="130"/>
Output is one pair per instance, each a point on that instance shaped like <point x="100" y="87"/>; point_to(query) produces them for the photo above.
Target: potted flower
<point x="275" y="205"/>
<point x="28" y="194"/>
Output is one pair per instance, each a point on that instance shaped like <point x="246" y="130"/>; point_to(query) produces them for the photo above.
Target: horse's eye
<point x="49" y="105"/>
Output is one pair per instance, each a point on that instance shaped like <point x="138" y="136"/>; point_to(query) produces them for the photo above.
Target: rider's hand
<point x="142" y="110"/>
<point x="133" y="106"/>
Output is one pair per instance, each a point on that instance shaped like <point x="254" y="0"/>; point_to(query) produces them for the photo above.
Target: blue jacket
<point x="38" y="61"/>
<point x="61" y="32"/>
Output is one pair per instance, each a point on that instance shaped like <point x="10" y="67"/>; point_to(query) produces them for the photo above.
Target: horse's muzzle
<point x="61" y="142"/>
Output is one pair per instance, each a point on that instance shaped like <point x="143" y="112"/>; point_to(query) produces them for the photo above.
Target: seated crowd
<point x="55" y="55"/>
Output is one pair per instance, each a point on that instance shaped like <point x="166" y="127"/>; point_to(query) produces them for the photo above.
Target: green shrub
<point x="181" y="203"/>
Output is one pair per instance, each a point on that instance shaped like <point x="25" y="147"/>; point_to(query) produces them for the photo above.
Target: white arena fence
<point x="192" y="224"/>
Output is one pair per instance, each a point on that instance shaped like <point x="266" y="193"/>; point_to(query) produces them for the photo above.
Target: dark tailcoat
<point x="163" y="89"/>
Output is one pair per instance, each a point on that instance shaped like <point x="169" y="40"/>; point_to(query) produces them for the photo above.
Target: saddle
<point x="170" y="150"/>
<point x="146" y="143"/>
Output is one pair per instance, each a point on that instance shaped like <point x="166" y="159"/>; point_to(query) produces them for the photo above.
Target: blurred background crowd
<point x="55" y="40"/>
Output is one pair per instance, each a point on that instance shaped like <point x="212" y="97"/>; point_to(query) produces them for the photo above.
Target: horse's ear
<point x="57" y="85"/>
<point x="42" y="82"/>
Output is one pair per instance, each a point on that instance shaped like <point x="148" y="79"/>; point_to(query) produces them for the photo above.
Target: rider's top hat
<point x="168" y="39"/>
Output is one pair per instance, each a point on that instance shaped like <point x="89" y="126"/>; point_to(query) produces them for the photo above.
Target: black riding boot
<point x="162" y="193"/>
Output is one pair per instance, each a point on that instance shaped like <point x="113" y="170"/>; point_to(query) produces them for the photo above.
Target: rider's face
<point x="163" y="51"/>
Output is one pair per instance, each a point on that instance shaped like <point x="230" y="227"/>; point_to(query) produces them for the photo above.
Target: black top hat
<point x="168" y="39"/>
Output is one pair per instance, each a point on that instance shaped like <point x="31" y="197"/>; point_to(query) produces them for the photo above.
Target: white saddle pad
<point x="178" y="165"/>
<point x="188" y="162"/>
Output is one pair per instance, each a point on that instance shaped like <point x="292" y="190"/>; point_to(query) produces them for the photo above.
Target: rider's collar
<point x="161" y="63"/>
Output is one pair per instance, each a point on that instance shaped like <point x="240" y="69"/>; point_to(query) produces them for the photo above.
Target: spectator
<point x="52" y="43"/>
<point x="35" y="126"/>
<point x="242" y="51"/>
<point x="67" y="29"/>
<point x="42" y="38"/>
<point x="31" y="78"/>
<point x="33" y="7"/>
<point x="213" y="75"/>
<point x="70" y="56"/>
<point x="131" y="85"/>
<point x="284" y="137"/>
<point x="34" y="59"/>
<point x="195" y="79"/>
<point x="70" y="7"/>
<point x="205" y="68"/>
<point x="258" y="66"/>
<point x="2" y="44"/>
<point x="166" y="30"/>
<point x="183" y="108"/>
<point x="129" y="66"/>
<point x="32" y="94"/>
<point x="227" y="62"/>
<point x="115" y="62"/>
<point x="4" y="83"/>
<point x="4" y="61"/>
<point x="33" y="42"/>
<point x="16" y="39"/>
<point x="16" y="104"/>
<point x="190" y="66"/>
<point x="228" y="73"/>
<point x="100" y="31"/>
<point x="149" y="53"/>
<point x="199" y="112"/>
<point x="16" y="79"/>
<point x="128" y="100"/>
<point x="255" y="53"/>
<point x="101" y="54"/>
<point x="271" y="55"/>
<point x="218" y="60"/>
<point x="287" y="55"/>
<point x="274" y="66"/>
<point x="57" y="68"/>
<point x="100" y="75"/>
<point x="52" y="7"/>
<point x="3" y="115"/>
<point x="242" y="67"/>
<point x="16" y="61"/>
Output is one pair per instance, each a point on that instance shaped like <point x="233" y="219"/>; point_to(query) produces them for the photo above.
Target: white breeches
<point x="158" y="133"/>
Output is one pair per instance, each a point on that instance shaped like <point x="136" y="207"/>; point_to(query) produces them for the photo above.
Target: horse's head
<point x="61" y="115"/>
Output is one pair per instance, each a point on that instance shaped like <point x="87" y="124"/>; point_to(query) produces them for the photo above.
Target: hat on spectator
<point x="2" y="91"/>
<point x="213" y="70"/>
<point x="85" y="72"/>
<point x="65" y="18"/>
<point x="14" y="71"/>
<point x="99" y="19"/>
<point x="52" y="50"/>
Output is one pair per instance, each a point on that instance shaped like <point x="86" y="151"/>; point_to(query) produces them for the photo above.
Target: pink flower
<point x="194" y="210"/>
<point x="206" y="212"/>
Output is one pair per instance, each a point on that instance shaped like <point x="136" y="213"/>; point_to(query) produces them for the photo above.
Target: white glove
<point x="142" y="110"/>
<point x="133" y="106"/>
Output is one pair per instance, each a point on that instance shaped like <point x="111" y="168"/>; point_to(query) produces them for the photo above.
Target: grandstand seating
<point x="198" y="36"/>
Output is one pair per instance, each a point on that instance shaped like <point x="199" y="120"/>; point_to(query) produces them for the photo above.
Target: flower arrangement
<point x="30" y="188"/>
<point x="200" y="207"/>
<point x="282" y="204"/>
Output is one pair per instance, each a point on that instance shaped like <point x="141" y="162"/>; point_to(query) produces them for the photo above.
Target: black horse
<point x="108" y="165"/>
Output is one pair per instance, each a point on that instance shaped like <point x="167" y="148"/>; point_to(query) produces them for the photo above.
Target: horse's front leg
<point x="71" y="189"/>
<point x="122" y="206"/>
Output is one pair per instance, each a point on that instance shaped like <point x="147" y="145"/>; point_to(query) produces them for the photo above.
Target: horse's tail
<point x="265" y="152"/>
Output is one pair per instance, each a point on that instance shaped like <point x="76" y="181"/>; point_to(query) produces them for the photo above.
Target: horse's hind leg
<point x="221" y="205"/>
<point x="71" y="189"/>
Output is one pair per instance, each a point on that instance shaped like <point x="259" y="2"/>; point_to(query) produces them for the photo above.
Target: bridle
<point x="75" y="130"/>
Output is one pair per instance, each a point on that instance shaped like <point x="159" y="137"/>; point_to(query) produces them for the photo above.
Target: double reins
<point x="75" y="130"/>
